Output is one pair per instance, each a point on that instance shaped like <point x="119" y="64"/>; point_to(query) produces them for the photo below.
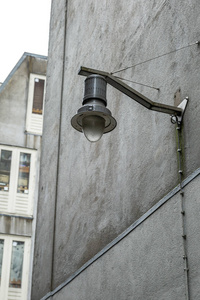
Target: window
<point x="24" y="172"/>
<point x="35" y="108"/>
<point x="5" y="164"/>
<point x="14" y="266"/>
<point x="17" y="180"/>
<point x="38" y="96"/>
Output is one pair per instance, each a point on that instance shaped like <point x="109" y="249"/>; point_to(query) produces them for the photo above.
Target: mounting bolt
<point x="174" y="119"/>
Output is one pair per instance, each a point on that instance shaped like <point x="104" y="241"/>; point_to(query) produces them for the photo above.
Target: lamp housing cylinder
<point x="95" y="90"/>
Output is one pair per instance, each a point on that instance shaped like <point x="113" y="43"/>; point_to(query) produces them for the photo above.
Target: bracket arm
<point x="130" y="92"/>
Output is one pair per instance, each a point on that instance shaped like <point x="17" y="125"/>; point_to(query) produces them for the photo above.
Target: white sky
<point x="24" y="27"/>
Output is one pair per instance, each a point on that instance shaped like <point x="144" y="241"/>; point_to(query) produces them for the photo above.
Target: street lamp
<point x="94" y="119"/>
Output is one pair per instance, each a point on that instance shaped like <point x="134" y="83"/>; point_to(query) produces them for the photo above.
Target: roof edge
<point x="18" y="64"/>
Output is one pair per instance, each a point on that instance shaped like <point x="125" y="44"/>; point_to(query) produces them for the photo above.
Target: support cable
<point x="146" y="85"/>
<point x="161" y="55"/>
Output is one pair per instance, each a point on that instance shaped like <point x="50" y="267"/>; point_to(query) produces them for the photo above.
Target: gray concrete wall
<point x="148" y="263"/>
<point x="93" y="192"/>
<point x="44" y="246"/>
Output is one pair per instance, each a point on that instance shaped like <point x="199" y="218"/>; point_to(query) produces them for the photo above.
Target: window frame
<point x="34" y="122"/>
<point x="6" y="291"/>
<point x="12" y="201"/>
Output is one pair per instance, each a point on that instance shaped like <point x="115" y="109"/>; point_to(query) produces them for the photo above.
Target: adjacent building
<point x="119" y="219"/>
<point x="21" y="121"/>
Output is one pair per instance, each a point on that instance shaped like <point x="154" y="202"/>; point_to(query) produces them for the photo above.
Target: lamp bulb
<point x="93" y="127"/>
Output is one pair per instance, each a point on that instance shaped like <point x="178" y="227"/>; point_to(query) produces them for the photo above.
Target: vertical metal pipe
<point x="184" y="236"/>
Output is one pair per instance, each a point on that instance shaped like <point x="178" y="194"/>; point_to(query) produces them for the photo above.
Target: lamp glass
<point x="93" y="127"/>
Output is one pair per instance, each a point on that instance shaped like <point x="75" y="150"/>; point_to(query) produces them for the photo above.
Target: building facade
<point x="21" y="120"/>
<point x="121" y="215"/>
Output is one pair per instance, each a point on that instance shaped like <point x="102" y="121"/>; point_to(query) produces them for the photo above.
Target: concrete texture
<point x="148" y="263"/>
<point x="90" y="193"/>
<point x="49" y="164"/>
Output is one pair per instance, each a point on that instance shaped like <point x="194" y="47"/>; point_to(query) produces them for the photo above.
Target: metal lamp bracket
<point x="178" y="118"/>
<point x="176" y="112"/>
